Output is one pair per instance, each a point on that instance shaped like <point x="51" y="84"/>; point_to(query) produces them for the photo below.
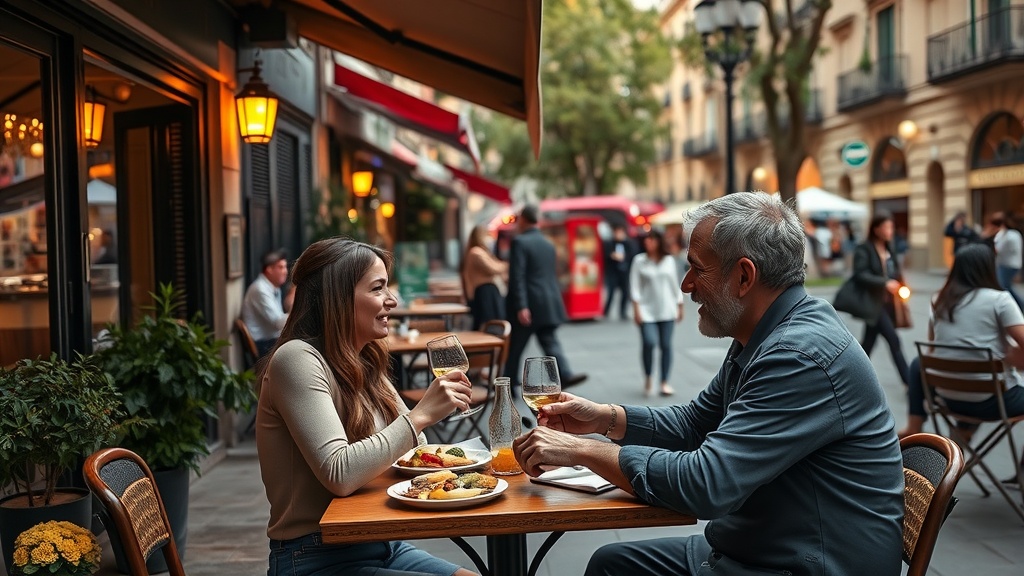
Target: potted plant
<point x="171" y="375"/>
<point x="53" y="413"/>
<point x="56" y="548"/>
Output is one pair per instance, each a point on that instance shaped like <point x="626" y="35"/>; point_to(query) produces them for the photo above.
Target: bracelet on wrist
<point x="611" y="425"/>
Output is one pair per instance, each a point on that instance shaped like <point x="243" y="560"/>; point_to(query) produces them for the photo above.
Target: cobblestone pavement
<point x="228" y="514"/>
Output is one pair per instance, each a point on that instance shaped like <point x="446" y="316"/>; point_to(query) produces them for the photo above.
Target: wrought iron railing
<point x="886" y="77"/>
<point x="703" y="145"/>
<point x="990" y="39"/>
<point x="749" y="128"/>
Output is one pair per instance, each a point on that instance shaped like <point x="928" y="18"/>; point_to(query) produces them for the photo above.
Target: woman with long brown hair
<point x="329" y="419"/>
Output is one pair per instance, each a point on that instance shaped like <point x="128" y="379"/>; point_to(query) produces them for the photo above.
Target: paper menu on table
<point x="582" y="479"/>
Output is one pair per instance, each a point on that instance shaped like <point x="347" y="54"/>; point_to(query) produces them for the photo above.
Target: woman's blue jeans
<point x="309" y="556"/>
<point x="657" y="334"/>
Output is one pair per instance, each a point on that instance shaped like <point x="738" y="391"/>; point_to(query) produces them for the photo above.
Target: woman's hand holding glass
<point x="447" y="356"/>
<point x="447" y="393"/>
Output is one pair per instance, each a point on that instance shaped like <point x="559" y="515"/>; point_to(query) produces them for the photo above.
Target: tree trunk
<point x="787" y="165"/>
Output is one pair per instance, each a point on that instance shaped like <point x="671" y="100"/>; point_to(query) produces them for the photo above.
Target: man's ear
<point x="748" y="276"/>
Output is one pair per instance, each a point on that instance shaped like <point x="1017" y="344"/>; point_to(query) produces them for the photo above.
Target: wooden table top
<point x="471" y="340"/>
<point x="429" y="309"/>
<point x="370" y="515"/>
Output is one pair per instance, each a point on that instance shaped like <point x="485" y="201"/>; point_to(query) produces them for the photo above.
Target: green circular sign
<point x="855" y="154"/>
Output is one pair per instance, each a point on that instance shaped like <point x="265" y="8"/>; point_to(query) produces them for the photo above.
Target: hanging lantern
<point x="93" y="114"/>
<point x="362" y="183"/>
<point x="257" y="108"/>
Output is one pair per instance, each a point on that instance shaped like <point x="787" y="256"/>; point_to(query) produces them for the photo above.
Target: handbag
<point x="901" y="317"/>
<point x="852" y="299"/>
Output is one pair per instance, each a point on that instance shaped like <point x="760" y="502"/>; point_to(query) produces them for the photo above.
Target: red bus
<point x="635" y="215"/>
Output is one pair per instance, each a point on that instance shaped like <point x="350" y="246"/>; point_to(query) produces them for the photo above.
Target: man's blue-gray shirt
<point x="790" y="451"/>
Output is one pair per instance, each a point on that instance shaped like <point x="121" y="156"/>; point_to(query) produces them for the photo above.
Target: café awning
<point x="484" y="52"/>
<point x="481" y="185"/>
<point x="407" y="110"/>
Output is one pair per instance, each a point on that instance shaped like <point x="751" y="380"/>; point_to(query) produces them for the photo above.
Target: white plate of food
<point x="445" y="490"/>
<point x="434" y="457"/>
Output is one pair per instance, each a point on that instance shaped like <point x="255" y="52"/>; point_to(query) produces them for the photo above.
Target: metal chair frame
<point x="986" y="374"/>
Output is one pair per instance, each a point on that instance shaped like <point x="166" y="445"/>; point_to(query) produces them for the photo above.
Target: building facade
<point x="925" y="89"/>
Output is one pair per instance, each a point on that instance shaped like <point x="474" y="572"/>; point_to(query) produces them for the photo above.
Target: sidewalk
<point x="228" y="514"/>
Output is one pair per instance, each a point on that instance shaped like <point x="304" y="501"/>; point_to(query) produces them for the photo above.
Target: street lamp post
<point x="728" y="30"/>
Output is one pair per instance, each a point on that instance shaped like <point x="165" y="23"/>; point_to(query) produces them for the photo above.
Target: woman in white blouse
<point x="657" y="305"/>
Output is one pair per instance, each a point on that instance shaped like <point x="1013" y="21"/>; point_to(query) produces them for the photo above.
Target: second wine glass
<point x="446" y="355"/>
<point x="541" y="383"/>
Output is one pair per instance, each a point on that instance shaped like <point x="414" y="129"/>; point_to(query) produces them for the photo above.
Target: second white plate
<point x="395" y="491"/>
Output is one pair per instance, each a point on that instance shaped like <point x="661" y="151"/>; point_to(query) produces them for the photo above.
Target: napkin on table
<point x="583" y="479"/>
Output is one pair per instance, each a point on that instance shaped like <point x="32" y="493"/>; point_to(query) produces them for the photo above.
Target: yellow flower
<point x="20" y="556"/>
<point x="44" y="554"/>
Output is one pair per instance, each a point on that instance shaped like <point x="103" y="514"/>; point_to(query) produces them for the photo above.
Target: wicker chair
<point x="932" y="466"/>
<point x="124" y="484"/>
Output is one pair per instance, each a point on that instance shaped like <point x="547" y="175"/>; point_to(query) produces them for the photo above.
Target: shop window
<point x="889" y="163"/>
<point x="1000" y="142"/>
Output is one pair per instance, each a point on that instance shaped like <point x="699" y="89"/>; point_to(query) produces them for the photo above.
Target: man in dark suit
<point x="618" y="256"/>
<point x="534" y="302"/>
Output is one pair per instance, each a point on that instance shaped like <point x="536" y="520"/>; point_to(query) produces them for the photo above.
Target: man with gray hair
<point x="790" y="451"/>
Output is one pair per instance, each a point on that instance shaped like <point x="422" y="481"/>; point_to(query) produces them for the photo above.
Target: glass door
<point x="24" y="294"/>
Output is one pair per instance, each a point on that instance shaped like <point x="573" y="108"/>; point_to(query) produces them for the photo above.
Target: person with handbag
<point x="877" y="274"/>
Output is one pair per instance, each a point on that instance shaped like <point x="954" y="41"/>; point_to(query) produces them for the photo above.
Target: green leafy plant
<point x="52" y="414"/>
<point x="170" y="374"/>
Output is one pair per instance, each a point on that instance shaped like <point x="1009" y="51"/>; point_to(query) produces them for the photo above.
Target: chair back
<point x="122" y="481"/>
<point x="960" y="368"/>
<point x="249" y="350"/>
<point x="932" y="466"/>
<point x="503" y="330"/>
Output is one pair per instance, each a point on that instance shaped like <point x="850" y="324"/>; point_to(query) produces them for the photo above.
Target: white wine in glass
<point x="446" y="355"/>
<point x="541" y="383"/>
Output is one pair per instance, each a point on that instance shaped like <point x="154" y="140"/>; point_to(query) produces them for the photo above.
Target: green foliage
<point x="600" y="59"/>
<point x="52" y="414"/>
<point x="170" y="373"/>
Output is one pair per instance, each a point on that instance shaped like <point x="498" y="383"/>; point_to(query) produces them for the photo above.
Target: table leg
<point x="506" y="554"/>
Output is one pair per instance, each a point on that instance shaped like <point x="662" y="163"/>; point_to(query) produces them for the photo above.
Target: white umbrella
<point x="813" y="202"/>
<point x="675" y="213"/>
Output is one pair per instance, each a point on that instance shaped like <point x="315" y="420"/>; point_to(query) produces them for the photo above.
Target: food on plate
<point x="441" y="457"/>
<point x="446" y="485"/>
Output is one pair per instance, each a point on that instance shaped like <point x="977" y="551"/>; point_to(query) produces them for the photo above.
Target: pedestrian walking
<point x="534" y="302"/>
<point x="618" y="254"/>
<point x="961" y="234"/>
<point x="879" y="276"/>
<point x="483" y="279"/>
<point x="657" y="306"/>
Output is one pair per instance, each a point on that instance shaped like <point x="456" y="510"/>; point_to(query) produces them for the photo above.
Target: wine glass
<point x="541" y="384"/>
<point x="446" y="355"/>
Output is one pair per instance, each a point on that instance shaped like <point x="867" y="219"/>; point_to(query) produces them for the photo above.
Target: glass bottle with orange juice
<point x="505" y="426"/>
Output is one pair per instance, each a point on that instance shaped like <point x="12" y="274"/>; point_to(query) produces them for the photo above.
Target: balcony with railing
<point x="687" y="92"/>
<point x="700" y="146"/>
<point x="996" y="38"/>
<point x="886" y="78"/>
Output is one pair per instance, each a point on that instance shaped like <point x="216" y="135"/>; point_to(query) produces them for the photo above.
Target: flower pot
<point x="75" y="506"/>
<point x="173" y="487"/>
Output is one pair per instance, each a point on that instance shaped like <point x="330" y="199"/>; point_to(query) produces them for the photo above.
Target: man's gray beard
<point x="720" y="319"/>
